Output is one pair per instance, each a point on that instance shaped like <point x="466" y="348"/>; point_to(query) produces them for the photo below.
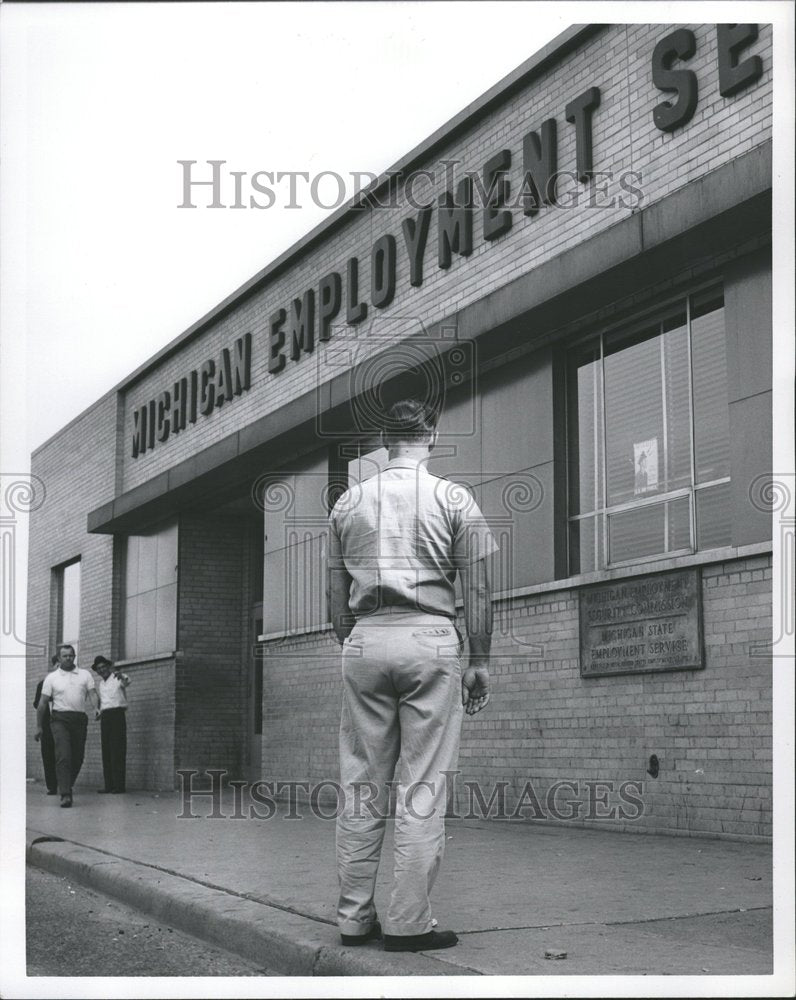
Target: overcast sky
<point x="101" y="267"/>
<point x="102" y="102"/>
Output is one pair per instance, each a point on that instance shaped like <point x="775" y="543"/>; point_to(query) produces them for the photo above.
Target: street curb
<point x="282" y="941"/>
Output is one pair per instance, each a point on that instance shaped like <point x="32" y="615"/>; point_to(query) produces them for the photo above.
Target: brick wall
<point x="78" y="472"/>
<point x="150" y="725"/>
<point x="211" y="672"/>
<point x="546" y="723"/>
<point x="618" y="61"/>
<point x="710" y="729"/>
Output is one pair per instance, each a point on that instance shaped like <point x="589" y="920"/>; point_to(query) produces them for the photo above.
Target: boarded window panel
<point x="131" y="566"/>
<point x="354" y="474"/>
<point x="310" y="483"/>
<point x="515" y="509"/>
<point x="367" y="465"/>
<point x="150" y="594"/>
<point x="306" y="582"/>
<point x="147" y="563"/>
<point x="295" y="519"/>
<point x="713" y="516"/>
<point x="374" y="461"/>
<point x="274" y="591"/>
<point x="298" y="582"/>
<point x="320" y="607"/>
<point x="711" y="405"/>
<point x="278" y="498"/>
<point x="633" y="413"/>
<point x="130" y="626"/>
<point x="167" y="556"/>
<point x="145" y="626"/>
<point x="462" y="436"/>
<point x="166" y="618"/>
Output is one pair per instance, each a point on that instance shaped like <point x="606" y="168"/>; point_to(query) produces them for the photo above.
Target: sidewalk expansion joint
<point x="688" y="916"/>
<point x="466" y="969"/>
<point x="610" y="923"/>
<point x="263" y="901"/>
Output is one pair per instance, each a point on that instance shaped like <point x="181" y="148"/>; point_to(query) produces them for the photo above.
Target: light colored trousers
<point x="401" y="697"/>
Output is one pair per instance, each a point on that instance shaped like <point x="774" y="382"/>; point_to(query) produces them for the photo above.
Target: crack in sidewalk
<point x="615" y="923"/>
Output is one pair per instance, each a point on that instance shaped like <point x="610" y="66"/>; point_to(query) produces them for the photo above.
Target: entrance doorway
<point x="255" y="714"/>
<point x="255" y="659"/>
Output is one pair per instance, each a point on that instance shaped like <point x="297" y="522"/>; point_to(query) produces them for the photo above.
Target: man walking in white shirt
<point x="112" y="690"/>
<point x="67" y="688"/>
<point x="396" y="543"/>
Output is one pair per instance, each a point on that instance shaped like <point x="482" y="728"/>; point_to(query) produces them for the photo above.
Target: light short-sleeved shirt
<point x="68" y="689"/>
<point x="402" y="535"/>
<point x="111" y="693"/>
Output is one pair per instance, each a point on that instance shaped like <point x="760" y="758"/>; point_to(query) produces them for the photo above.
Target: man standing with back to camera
<point x="396" y="542"/>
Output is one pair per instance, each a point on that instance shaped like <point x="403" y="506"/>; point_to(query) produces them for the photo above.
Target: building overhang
<point x="707" y="216"/>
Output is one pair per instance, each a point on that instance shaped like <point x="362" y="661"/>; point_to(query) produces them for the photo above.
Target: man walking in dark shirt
<point x="112" y="691"/>
<point x="47" y="743"/>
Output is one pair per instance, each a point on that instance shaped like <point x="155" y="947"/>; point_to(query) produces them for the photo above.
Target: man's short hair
<point x="65" y="645"/>
<point x="409" y="420"/>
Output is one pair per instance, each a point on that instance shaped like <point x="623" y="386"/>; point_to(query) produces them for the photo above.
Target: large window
<point x="150" y="593"/>
<point x="649" y="468"/>
<point x="295" y="505"/>
<point x="67" y="605"/>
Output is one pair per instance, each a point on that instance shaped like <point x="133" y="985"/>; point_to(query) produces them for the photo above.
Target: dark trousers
<point x="113" y="731"/>
<point x="47" y="745"/>
<point x="69" y="733"/>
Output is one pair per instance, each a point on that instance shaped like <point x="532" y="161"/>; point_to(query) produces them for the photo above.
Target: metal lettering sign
<point x="642" y="625"/>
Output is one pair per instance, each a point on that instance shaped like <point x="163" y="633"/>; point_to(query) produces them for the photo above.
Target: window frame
<point x="630" y="332"/>
<point x="58" y="576"/>
<point x="137" y="656"/>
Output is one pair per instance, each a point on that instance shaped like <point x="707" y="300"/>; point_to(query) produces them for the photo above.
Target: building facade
<point x="576" y="271"/>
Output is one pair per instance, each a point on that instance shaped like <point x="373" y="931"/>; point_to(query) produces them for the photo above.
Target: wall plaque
<point x="644" y="624"/>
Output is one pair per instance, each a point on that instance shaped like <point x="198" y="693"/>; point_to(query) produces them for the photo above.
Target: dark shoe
<point x="420" y="942"/>
<point x="352" y="940"/>
<point x="104" y="791"/>
<point x="117" y="791"/>
<point x="66" y="801"/>
<point x="52" y="791"/>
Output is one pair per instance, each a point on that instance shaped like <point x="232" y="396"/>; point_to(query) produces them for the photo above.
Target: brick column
<point x="211" y="673"/>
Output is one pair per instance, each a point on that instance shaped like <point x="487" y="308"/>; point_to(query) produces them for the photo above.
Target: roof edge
<point x="556" y="48"/>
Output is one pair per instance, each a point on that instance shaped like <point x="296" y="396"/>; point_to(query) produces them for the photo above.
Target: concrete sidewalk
<point x="616" y="903"/>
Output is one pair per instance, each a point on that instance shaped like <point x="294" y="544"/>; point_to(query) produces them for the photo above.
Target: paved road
<point x="72" y="931"/>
